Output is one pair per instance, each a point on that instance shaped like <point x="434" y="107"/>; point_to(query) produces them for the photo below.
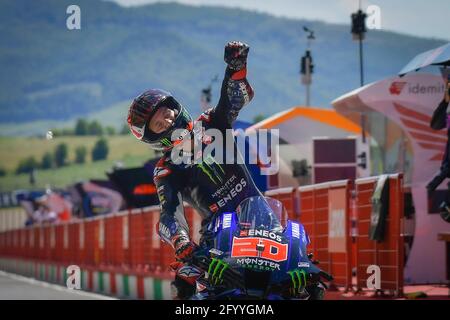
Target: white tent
<point x="399" y="110"/>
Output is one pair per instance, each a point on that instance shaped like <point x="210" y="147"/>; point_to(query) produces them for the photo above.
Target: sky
<point x="414" y="17"/>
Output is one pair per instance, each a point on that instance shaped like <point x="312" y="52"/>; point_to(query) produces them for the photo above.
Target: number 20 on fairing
<point x="247" y="247"/>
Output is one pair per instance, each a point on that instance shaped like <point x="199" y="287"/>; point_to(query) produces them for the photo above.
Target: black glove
<point x="311" y="257"/>
<point x="236" y="55"/>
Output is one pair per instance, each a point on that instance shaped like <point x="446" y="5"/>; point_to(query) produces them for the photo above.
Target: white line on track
<point x="54" y="286"/>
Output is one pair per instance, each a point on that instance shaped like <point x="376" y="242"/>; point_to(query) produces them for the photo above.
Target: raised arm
<point x="236" y="91"/>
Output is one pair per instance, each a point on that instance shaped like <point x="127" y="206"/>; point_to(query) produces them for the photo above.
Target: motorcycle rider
<point x="208" y="184"/>
<point x="441" y="120"/>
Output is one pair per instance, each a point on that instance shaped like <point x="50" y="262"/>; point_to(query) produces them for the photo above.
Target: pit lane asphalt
<point x="16" y="287"/>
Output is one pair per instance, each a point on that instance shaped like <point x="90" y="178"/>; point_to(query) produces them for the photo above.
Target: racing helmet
<point x="142" y="110"/>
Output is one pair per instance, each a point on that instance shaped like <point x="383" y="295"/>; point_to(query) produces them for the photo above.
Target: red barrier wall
<point x="289" y="198"/>
<point x="137" y="239"/>
<point x="330" y="243"/>
<point x="388" y="254"/>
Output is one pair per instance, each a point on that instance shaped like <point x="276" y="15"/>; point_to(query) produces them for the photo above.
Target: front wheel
<point x="316" y="292"/>
<point x="181" y="290"/>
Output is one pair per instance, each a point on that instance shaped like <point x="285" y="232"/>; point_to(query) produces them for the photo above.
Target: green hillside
<point x="114" y="116"/>
<point x="123" y="149"/>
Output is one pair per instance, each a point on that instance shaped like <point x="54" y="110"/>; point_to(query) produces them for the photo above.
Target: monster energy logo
<point x="258" y="264"/>
<point x="208" y="166"/>
<point x="166" y="142"/>
<point x="298" y="278"/>
<point x="216" y="270"/>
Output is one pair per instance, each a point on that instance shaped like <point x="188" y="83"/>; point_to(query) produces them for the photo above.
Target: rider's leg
<point x="186" y="276"/>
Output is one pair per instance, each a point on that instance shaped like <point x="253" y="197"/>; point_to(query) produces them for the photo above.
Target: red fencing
<point x="325" y="214"/>
<point x="289" y="198"/>
<point x="137" y="239"/>
<point x="58" y="253"/>
<point x="111" y="240"/>
<point x="89" y="241"/>
<point x="46" y="251"/>
<point x="80" y="242"/>
<point x="120" y="239"/>
<point x="388" y="255"/>
<point x="152" y="245"/>
<point x="31" y="243"/>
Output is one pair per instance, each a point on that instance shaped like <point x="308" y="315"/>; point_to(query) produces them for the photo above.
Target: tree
<point x="259" y="118"/>
<point x="2" y="172"/>
<point x="47" y="161"/>
<point x="27" y="165"/>
<point x="56" y="132"/>
<point x="110" y="130"/>
<point x="81" y="127"/>
<point x="100" y="150"/>
<point x="60" y="154"/>
<point x="80" y="154"/>
<point x="95" y="128"/>
<point x="125" y="130"/>
<point x="67" y="132"/>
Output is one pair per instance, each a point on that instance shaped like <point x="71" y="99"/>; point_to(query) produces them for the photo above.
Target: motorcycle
<point x="254" y="256"/>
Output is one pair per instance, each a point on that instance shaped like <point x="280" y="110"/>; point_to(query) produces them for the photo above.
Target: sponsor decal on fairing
<point x="227" y="220"/>
<point x="295" y="230"/>
<point x="259" y="248"/>
<point x="265" y="234"/>
<point x="258" y="264"/>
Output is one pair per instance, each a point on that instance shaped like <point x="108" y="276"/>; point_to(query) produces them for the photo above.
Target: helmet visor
<point x="137" y="121"/>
